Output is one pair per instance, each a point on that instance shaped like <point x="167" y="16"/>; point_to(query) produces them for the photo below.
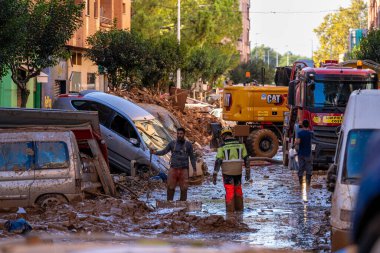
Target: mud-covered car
<point x="49" y="157"/>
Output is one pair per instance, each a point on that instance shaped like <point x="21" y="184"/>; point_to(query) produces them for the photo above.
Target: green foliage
<point x="255" y="68"/>
<point x="209" y="31"/>
<point x="260" y="61"/>
<point x="369" y="48"/>
<point x="334" y="30"/>
<point x="207" y="63"/>
<point x="131" y="60"/>
<point x="164" y="57"/>
<point x="120" y="52"/>
<point x="42" y="28"/>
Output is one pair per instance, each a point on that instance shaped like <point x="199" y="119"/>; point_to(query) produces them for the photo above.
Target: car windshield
<point x="153" y="133"/>
<point x="356" y="151"/>
<point x="328" y="94"/>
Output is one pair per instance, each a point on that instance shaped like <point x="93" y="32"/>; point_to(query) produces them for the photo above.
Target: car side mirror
<point x="135" y="142"/>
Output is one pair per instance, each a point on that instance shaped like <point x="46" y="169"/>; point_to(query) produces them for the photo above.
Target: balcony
<point x="106" y="21"/>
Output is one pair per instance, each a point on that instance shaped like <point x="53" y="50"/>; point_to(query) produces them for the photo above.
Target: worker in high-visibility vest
<point x="230" y="158"/>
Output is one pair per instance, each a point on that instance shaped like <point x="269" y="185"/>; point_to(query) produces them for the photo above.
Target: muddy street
<point x="278" y="213"/>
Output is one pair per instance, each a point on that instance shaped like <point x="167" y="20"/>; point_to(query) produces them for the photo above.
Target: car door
<point x="16" y="173"/>
<point x="123" y="142"/>
<point x="54" y="172"/>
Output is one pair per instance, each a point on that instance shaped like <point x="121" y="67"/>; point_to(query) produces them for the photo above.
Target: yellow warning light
<point x="359" y="64"/>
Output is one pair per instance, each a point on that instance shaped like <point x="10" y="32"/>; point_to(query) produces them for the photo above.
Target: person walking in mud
<point x="181" y="150"/>
<point x="304" y="153"/>
<point x="230" y="157"/>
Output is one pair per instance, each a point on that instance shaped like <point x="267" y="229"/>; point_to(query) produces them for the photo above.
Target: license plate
<point x="313" y="146"/>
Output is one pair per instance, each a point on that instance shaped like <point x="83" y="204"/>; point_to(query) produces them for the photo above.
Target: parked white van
<point x="361" y="126"/>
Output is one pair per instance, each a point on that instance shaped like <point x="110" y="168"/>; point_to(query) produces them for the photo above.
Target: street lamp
<point x="179" y="40"/>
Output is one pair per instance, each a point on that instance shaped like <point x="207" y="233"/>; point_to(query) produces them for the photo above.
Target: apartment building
<point x="79" y="73"/>
<point x="244" y="46"/>
<point x="373" y="14"/>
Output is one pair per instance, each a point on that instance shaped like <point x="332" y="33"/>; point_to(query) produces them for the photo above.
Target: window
<point x="356" y="154"/>
<point x="91" y="80"/>
<point x="123" y="127"/>
<point x="76" y="81"/>
<point x="88" y="7"/>
<point x="16" y="156"/>
<point x="124" y="8"/>
<point x="104" y="112"/>
<point x="52" y="155"/>
<point x="96" y="9"/>
<point x="76" y="58"/>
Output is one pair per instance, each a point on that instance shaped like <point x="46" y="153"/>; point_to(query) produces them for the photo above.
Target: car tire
<point x="47" y="200"/>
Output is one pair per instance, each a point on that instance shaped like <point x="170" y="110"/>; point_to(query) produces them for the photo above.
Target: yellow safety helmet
<point x="226" y="130"/>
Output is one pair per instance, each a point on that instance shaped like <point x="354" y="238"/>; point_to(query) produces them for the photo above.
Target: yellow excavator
<point x="258" y="112"/>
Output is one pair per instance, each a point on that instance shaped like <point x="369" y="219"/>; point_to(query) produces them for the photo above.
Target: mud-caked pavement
<point x="278" y="213"/>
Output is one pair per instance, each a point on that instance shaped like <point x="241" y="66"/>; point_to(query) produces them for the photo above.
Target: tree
<point x="11" y="16"/>
<point x="42" y="27"/>
<point x="369" y="47"/>
<point x="163" y="58"/>
<point x="205" y="27"/>
<point x="334" y="30"/>
<point x="259" y="71"/>
<point x="263" y="57"/>
<point x="207" y="63"/>
<point x="121" y="53"/>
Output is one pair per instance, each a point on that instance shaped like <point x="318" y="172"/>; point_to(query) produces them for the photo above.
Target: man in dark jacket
<point x="181" y="150"/>
<point x="304" y="152"/>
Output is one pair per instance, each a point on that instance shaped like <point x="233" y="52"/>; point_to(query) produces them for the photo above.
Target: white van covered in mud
<point x="361" y="126"/>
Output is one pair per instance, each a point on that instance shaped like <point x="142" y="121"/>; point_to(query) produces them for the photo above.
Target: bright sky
<point x="289" y="31"/>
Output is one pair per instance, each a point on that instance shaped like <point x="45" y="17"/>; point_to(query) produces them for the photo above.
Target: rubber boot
<point x="239" y="204"/>
<point x="300" y="179"/>
<point x="170" y="194"/>
<point x="308" y="180"/>
<point x="183" y="195"/>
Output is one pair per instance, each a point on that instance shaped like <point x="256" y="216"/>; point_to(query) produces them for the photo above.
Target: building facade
<point x="244" y="46"/>
<point x="373" y="14"/>
<point x="79" y="73"/>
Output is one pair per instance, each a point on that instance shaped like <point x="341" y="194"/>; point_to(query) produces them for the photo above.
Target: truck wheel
<point x="262" y="143"/>
<point x="51" y="199"/>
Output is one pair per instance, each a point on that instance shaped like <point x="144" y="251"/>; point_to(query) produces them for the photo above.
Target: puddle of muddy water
<point x="280" y="213"/>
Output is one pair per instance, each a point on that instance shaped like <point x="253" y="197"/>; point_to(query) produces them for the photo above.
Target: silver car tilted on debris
<point x="127" y="129"/>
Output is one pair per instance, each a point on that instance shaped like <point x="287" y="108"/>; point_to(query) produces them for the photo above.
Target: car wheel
<point x="47" y="200"/>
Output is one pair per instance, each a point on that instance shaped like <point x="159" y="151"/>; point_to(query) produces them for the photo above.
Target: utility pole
<point x="287" y="58"/>
<point x="179" y="41"/>
<point x="268" y="57"/>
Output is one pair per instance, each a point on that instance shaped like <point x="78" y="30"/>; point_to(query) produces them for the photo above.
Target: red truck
<point x="320" y="95"/>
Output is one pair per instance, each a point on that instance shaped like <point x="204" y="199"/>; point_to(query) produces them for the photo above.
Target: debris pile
<point x="196" y="121"/>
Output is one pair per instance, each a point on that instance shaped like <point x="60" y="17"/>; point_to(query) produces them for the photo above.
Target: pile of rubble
<point x="196" y="121"/>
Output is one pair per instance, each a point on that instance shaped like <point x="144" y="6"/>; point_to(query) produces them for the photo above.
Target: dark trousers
<point x="305" y="164"/>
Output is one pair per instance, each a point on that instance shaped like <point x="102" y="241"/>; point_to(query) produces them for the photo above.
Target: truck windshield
<point x="356" y="150"/>
<point x="328" y="94"/>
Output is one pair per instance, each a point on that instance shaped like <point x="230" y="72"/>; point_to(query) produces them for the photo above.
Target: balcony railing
<point x="105" y="21"/>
